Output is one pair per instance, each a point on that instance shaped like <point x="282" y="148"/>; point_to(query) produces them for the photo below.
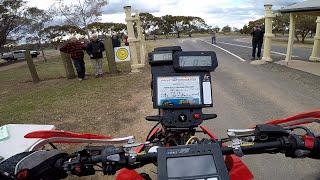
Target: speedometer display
<point x="195" y="61"/>
<point x="162" y="57"/>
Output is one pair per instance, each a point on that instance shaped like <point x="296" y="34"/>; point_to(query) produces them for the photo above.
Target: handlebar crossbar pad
<point x="7" y="167"/>
<point x="34" y="165"/>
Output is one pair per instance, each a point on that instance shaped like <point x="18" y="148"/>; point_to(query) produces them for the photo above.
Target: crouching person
<point x="95" y="49"/>
<point x="75" y="48"/>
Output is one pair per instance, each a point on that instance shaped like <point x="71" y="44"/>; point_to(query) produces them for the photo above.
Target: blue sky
<point x="234" y="13"/>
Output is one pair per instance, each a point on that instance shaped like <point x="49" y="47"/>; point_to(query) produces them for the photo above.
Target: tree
<point x="81" y="13"/>
<point x="178" y="24"/>
<point x="54" y="34"/>
<point x="194" y="24"/>
<point x="148" y="21"/>
<point x="37" y="19"/>
<point x="280" y="23"/>
<point x="105" y="28"/>
<point x="166" y="24"/>
<point x="216" y="29"/>
<point x="226" y="28"/>
<point x="118" y="26"/>
<point x="304" y="26"/>
<point x="235" y="29"/>
<point x="245" y="30"/>
<point x="11" y="19"/>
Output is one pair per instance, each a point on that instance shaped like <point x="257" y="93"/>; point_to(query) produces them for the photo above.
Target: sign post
<point x="122" y="54"/>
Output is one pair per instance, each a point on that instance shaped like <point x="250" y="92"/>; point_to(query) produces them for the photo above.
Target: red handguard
<point x="126" y="174"/>
<point x="302" y="118"/>
<point x="45" y="134"/>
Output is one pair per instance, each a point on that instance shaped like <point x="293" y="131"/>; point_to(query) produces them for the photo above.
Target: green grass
<point x="25" y="99"/>
<point x="99" y="105"/>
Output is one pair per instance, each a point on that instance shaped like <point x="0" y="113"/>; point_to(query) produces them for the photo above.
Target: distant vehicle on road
<point x="18" y="55"/>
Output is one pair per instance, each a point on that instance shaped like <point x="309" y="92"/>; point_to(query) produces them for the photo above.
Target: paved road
<point x="247" y="94"/>
<point x="242" y="47"/>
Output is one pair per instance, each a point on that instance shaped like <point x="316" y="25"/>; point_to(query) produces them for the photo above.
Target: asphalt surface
<point x="242" y="47"/>
<point x="246" y="94"/>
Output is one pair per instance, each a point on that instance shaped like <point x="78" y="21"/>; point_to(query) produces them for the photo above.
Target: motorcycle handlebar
<point x="286" y="145"/>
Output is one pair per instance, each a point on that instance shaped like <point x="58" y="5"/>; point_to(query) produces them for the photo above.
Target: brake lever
<point x="235" y="135"/>
<point x="240" y="132"/>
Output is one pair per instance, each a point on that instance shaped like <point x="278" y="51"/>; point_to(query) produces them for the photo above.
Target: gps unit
<point x="195" y="61"/>
<point x="200" y="161"/>
<point x="181" y="86"/>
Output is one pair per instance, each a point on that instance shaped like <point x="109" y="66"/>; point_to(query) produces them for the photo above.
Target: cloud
<point x="235" y="13"/>
<point x="116" y="7"/>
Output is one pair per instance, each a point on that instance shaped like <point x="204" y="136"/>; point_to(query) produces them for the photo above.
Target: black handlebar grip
<point x="208" y="116"/>
<point x="154" y="118"/>
<point x="147" y="158"/>
<point x="255" y="149"/>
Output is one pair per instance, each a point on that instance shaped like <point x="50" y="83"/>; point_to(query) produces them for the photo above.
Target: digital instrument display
<point x="195" y="61"/>
<point x="190" y="166"/>
<point x="162" y="57"/>
<point x="173" y="91"/>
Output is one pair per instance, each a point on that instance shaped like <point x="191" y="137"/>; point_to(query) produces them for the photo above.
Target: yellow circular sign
<point x="122" y="54"/>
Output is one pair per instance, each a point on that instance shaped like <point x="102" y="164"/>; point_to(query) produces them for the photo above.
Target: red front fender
<point x="237" y="169"/>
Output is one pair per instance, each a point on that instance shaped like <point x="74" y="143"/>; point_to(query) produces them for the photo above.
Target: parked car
<point x="34" y="54"/>
<point x="18" y="55"/>
<point x="7" y="56"/>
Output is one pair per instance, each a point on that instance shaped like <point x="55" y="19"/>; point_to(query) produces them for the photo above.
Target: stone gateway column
<point x="142" y="41"/>
<point x="292" y="30"/>
<point x="315" y="56"/>
<point x="133" y="41"/>
<point x="268" y="36"/>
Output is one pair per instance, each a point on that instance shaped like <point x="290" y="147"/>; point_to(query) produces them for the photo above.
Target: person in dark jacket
<point x="75" y="49"/>
<point x="257" y="34"/>
<point x="95" y="49"/>
<point x="213" y="37"/>
<point x="115" y="40"/>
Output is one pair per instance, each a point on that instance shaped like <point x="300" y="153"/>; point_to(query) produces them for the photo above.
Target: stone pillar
<point x="132" y="40"/>
<point x="268" y="36"/>
<point x="142" y="41"/>
<point x="315" y="56"/>
<point x="292" y="30"/>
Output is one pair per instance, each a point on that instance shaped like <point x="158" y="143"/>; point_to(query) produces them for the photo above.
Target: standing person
<point x="95" y="49"/>
<point x="75" y="49"/>
<point x="257" y="34"/>
<point x="213" y="37"/>
<point x="115" y="40"/>
<point x="125" y="39"/>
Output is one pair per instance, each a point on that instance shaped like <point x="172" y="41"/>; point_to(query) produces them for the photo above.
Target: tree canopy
<point x="80" y="13"/>
<point x="11" y="20"/>
<point x="305" y="25"/>
<point x="172" y="24"/>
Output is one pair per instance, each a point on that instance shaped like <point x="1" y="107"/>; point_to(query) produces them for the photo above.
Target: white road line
<point x="274" y="52"/>
<point x="224" y="50"/>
